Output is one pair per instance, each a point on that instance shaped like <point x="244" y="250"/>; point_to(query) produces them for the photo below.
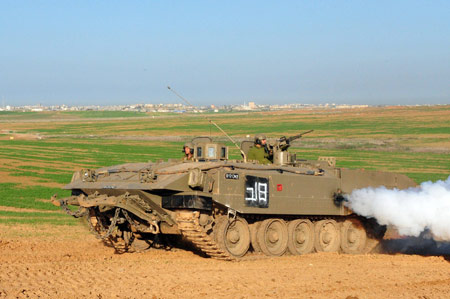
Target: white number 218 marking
<point x="258" y="193"/>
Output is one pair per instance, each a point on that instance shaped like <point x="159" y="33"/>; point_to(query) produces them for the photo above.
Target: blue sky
<point x="224" y="52"/>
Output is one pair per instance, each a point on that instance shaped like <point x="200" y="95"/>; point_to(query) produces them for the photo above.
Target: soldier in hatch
<point x="188" y="150"/>
<point x="259" y="152"/>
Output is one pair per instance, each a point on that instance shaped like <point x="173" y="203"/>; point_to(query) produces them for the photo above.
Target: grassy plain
<point x="39" y="151"/>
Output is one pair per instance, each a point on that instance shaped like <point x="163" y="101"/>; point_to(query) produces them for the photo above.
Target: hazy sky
<point x="224" y="52"/>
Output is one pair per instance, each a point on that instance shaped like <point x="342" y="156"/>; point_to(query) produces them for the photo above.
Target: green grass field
<point x="411" y="140"/>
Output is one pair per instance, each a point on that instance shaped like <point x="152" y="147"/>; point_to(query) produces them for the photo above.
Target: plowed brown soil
<point x="72" y="265"/>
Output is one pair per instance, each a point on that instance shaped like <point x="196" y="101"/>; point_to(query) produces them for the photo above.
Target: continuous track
<point x="191" y="229"/>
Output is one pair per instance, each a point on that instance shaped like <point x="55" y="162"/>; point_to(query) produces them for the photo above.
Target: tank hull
<point x="227" y="208"/>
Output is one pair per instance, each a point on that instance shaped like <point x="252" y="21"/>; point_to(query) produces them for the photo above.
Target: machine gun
<point x="284" y="142"/>
<point x="279" y="149"/>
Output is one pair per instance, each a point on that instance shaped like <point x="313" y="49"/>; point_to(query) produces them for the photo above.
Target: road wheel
<point x="301" y="236"/>
<point x="254" y="237"/>
<point x="233" y="236"/>
<point x="375" y="233"/>
<point x="273" y="237"/>
<point x="353" y="236"/>
<point x="327" y="236"/>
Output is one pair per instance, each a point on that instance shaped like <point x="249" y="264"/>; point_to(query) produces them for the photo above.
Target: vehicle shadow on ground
<point x="417" y="246"/>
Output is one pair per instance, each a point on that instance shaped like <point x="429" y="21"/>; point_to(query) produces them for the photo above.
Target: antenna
<point x="210" y="121"/>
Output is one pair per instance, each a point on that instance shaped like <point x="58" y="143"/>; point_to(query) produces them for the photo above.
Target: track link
<point x="191" y="229"/>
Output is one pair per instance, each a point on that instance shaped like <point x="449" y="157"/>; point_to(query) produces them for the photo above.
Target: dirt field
<point x="43" y="261"/>
<point x="75" y="264"/>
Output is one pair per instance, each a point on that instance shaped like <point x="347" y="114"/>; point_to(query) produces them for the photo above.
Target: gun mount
<point x="279" y="151"/>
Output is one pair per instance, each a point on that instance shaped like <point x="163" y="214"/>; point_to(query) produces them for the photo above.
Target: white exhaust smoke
<point x="410" y="211"/>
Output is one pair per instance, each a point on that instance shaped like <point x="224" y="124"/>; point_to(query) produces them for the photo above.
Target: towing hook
<point x="154" y="227"/>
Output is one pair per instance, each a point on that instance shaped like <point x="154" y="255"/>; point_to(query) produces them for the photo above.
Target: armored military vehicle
<point x="227" y="208"/>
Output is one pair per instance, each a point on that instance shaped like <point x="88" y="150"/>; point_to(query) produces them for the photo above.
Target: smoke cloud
<point x="410" y="211"/>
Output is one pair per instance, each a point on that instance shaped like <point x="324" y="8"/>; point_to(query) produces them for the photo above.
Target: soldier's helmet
<point x="259" y="138"/>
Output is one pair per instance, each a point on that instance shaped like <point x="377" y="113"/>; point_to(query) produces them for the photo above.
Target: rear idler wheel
<point x="375" y="233"/>
<point x="273" y="237"/>
<point x="301" y="236"/>
<point x="327" y="236"/>
<point x="353" y="236"/>
<point x="233" y="236"/>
